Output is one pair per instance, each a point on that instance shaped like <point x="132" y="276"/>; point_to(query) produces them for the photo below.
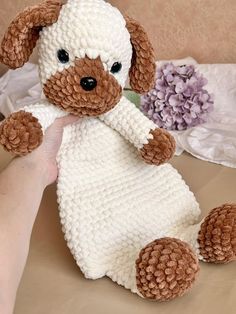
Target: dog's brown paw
<point x="20" y="133"/>
<point x="159" y="149"/>
<point x="166" y="269"/>
<point x="217" y="237"/>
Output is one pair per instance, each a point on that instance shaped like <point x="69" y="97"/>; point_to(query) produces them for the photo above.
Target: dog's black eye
<point x="117" y="66"/>
<point x="63" y="56"/>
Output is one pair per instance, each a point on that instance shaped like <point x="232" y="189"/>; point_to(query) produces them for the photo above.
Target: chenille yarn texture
<point x="22" y="35"/>
<point x="104" y="190"/>
<point x="61" y="87"/>
<point x="168" y="262"/>
<point x="115" y="192"/>
<point x="217" y="237"/>
<point x="21" y="133"/>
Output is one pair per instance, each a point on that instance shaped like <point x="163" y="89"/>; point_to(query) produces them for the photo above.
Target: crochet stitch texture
<point x="126" y="214"/>
<point x="111" y="203"/>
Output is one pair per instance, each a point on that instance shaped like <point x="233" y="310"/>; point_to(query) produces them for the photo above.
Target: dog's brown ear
<point x="23" y="33"/>
<point x="143" y="68"/>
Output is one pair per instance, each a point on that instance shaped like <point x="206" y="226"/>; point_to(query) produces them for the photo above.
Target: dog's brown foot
<point x="160" y="149"/>
<point x="217" y="237"/>
<point x="20" y="133"/>
<point x="166" y="269"/>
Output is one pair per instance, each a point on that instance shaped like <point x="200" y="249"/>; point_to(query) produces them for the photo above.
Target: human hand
<point x="44" y="157"/>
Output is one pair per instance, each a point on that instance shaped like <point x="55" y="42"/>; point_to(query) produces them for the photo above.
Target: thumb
<point x="67" y="120"/>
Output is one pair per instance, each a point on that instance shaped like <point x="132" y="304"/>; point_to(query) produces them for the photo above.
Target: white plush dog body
<point x="125" y="213"/>
<point x="111" y="203"/>
<point x="91" y="28"/>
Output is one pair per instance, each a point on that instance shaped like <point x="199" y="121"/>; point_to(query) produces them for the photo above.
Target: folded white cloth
<point x="213" y="141"/>
<point x="19" y="88"/>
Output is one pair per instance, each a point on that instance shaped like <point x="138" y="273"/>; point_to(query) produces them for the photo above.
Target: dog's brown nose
<point x="88" y="83"/>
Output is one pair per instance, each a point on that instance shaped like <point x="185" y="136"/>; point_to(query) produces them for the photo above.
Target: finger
<point x="67" y="120"/>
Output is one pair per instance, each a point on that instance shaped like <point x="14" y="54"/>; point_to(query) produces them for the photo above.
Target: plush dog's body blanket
<point x="111" y="202"/>
<point x="125" y="213"/>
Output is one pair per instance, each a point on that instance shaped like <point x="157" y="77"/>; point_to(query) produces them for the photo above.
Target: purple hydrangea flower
<point x="178" y="100"/>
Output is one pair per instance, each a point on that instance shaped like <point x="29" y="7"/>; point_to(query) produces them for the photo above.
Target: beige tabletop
<point x="53" y="284"/>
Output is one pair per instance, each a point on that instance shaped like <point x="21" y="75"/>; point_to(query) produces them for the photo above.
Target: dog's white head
<point x="87" y="49"/>
<point x="86" y="28"/>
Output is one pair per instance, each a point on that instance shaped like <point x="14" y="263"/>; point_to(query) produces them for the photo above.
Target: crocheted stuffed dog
<point x="125" y="213"/>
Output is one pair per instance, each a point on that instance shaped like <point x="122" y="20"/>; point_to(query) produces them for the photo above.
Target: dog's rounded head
<point x="87" y="50"/>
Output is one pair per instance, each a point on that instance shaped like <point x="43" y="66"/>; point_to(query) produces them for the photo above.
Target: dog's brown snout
<point x="88" y="83"/>
<point x="84" y="89"/>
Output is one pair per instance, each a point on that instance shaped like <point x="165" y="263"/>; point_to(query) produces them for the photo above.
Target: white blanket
<point x="214" y="141"/>
<point x="19" y="88"/>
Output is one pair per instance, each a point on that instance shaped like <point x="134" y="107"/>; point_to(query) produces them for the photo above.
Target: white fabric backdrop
<point x="215" y="140"/>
